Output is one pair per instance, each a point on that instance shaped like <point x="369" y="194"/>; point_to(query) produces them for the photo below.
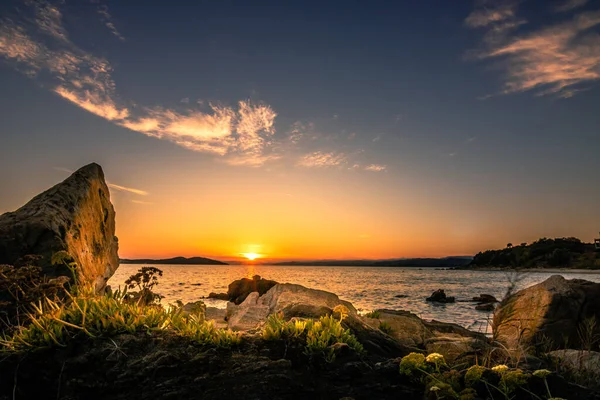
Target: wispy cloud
<point x="127" y="189"/>
<point x="107" y="19"/>
<point x="35" y="41"/>
<point x="555" y="59"/>
<point x="569" y="5"/>
<point x="375" y="168"/>
<point x="323" y="159"/>
<point x="141" y="202"/>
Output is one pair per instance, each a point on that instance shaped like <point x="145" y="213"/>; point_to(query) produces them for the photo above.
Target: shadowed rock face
<point x="554" y="311"/>
<point x="75" y="216"/>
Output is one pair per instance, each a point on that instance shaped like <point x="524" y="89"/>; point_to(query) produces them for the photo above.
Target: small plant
<point x="385" y="327"/>
<point x="373" y="314"/>
<point x="144" y="280"/>
<point x="413" y="364"/>
<point x="474" y="374"/>
<point x="319" y="336"/>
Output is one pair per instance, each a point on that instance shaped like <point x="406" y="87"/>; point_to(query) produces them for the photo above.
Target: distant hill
<point x="446" y="262"/>
<point x="175" y="261"/>
<point x="543" y="253"/>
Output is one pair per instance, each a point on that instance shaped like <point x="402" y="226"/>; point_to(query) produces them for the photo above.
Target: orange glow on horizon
<point x="251" y="256"/>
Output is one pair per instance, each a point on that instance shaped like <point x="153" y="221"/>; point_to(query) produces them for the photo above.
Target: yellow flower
<point x="500" y="368"/>
<point x="434" y="388"/>
<point x="434" y="358"/>
<point x="541" y="373"/>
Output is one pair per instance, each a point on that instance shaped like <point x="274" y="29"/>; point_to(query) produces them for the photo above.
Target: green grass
<point x="373" y="314"/>
<point x="385" y="327"/>
<point x="55" y="323"/>
<point x="319" y="335"/>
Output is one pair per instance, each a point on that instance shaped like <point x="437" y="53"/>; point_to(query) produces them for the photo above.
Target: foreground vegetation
<point x="543" y="253"/>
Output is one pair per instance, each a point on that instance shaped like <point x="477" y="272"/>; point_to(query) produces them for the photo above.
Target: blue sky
<point x="483" y="114"/>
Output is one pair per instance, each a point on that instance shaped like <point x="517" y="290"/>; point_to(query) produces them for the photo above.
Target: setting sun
<point x="251" y="256"/>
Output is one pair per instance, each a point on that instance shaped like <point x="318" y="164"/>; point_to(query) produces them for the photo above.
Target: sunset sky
<point x="309" y="130"/>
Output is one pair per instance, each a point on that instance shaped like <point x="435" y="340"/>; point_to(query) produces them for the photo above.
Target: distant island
<point x="445" y="262"/>
<point x="175" y="261"/>
<point x="567" y="252"/>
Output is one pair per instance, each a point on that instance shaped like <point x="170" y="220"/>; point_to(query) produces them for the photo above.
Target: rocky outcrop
<point x="291" y="300"/>
<point x="75" y="216"/>
<point x="450" y="340"/>
<point x="240" y="289"/>
<point x="439" y="296"/>
<point x="552" y="313"/>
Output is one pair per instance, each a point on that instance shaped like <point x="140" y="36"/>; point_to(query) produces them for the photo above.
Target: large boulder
<point x="75" y="216"/>
<point x="240" y="289"/>
<point x="289" y="299"/>
<point x="451" y="340"/>
<point x="552" y="314"/>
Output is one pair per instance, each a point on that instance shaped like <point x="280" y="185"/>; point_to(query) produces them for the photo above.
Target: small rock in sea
<point x="196" y="284"/>
<point x="439" y="296"/>
<point x="485" y="307"/>
<point x="218" y="296"/>
<point x="401" y="296"/>
<point x="485" y="298"/>
<point x="181" y="283"/>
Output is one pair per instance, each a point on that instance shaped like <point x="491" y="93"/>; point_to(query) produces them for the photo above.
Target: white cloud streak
<point x="570" y="5"/>
<point x="108" y="21"/>
<point x="376" y="168"/>
<point x="554" y="60"/>
<point x="321" y="159"/>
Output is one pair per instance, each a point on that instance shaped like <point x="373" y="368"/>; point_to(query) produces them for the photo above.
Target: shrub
<point x="474" y="374"/>
<point x="144" y="280"/>
<point x="373" y="314"/>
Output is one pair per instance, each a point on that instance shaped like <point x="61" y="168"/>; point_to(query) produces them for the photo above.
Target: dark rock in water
<point x="485" y="307"/>
<point x="439" y="296"/>
<point x="196" y="284"/>
<point x="240" y="289"/>
<point x="485" y="298"/>
<point x="75" y="216"/>
<point x="218" y="296"/>
<point x="554" y="311"/>
<point x="401" y="296"/>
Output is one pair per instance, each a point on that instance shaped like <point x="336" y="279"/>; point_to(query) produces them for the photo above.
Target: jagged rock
<point x="485" y="298"/>
<point x="578" y="361"/>
<point x="75" y="216"/>
<point x="439" y="296"/>
<point x="550" y="313"/>
<point x="240" y="289"/>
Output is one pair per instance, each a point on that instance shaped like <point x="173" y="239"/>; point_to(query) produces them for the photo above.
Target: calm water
<point x="367" y="288"/>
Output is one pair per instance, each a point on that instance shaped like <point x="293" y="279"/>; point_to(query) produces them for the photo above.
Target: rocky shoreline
<point x="68" y="336"/>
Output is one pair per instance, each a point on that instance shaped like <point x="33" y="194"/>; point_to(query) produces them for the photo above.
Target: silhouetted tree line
<point x="567" y="252"/>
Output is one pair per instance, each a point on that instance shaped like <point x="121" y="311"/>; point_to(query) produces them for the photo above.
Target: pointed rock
<point x="75" y="216"/>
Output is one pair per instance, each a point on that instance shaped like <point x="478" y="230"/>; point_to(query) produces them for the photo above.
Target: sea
<point x="367" y="288"/>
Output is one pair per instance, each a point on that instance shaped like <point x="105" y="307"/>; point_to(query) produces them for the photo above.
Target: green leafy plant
<point x="373" y="314"/>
